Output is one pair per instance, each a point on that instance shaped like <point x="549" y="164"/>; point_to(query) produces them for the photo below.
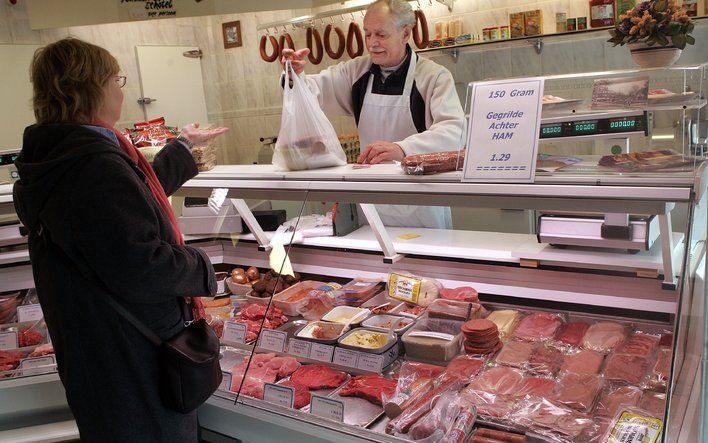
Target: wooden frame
<point x="232" y="34"/>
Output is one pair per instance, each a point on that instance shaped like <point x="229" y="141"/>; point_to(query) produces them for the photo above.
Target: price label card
<point x="370" y="362"/>
<point x="36" y="365"/>
<point x="403" y="288"/>
<point x="29" y="313"/>
<point x="272" y="340"/>
<point x="279" y="395"/>
<point x="327" y="408"/>
<point x="321" y="352"/>
<point x="225" y="381"/>
<point x="299" y="348"/>
<point x="345" y="357"/>
<point x="8" y="340"/>
<point x="234" y="332"/>
<point x="505" y="117"/>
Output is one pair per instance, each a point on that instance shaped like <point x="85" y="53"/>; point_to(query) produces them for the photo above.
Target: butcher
<point x="403" y="104"/>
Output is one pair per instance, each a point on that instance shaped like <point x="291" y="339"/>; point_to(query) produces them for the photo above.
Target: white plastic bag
<point x="306" y="139"/>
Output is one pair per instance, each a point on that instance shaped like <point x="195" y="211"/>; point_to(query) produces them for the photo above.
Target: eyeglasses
<point x="121" y="80"/>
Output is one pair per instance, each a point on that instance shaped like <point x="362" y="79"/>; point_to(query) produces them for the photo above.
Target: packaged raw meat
<point x="515" y="353"/>
<point x="639" y="344"/>
<point x="414" y="380"/>
<point x="583" y="362"/>
<point x="614" y="397"/>
<point x="572" y="333"/>
<point x="435" y="424"/>
<point x="413" y="289"/>
<point x="464" y="293"/>
<point x="654" y="403"/>
<point x="499" y="380"/>
<point x="449" y="315"/>
<point x="604" y="336"/>
<point x="412" y="310"/>
<point x="662" y="367"/>
<point x="552" y="420"/>
<point x="578" y="391"/>
<point x="318" y="376"/>
<point x="8" y="306"/>
<point x="464" y="367"/>
<point x="359" y="290"/>
<point x="538" y="326"/>
<point x="152" y="133"/>
<point x="545" y="360"/>
<point x="486" y="435"/>
<point x="32" y="334"/>
<point x="433" y="163"/>
<point x="506" y="320"/>
<point x="491" y="406"/>
<point x="462" y="428"/>
<point x="316" y="304"/>
<point x="535" y="387"/>
<point x="666" y="340"/>
<point x="626" y="368"/>
<point x="369" y="387"/>
<point x="633" y="424"/>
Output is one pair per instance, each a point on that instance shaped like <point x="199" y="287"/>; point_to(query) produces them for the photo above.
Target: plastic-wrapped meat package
<point x="626" y="368"/>
<point x="8" y="306"/>
<point x="490" y="405"/>
<point x="515" y="353"/>
<point x="578" y="391"/>
<point x="433" y="163"/>
<point x="654" y="403"/>
<point x="572" y="333"/>
<point x="639" y="344"/>
<point x="662" y="367"/>
<point x="414" y="380"/>
<point x="583" y="362"/>
<point x="464" y="367"/>
<point x="435" y="424"/>
<point x="464" y="293"/>
<point x="505" y="320"/>
<point x="666" y="340"/>
<point x="612" y="398"/>
<point x="448" y="315"/>
<point x="604" y="336"/>
<point x="549" y="419"/>
<point x="633" y="424"/>
<point x="545" y="360"/>
<point x="498" y="380"/>
<point x="538" y="326"/>
<point x="535" y="387"/>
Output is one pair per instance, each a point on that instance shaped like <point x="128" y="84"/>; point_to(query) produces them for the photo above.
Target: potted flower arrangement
<point x="656" y="31"/>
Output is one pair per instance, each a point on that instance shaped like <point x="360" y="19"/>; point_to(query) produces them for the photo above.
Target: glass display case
<point x="375" y="321"/>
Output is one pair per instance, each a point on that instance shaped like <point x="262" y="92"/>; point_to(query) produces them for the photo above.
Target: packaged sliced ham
<point x="515" y="353"/>
<point x="571" y="334"/>
<point x="499" y="380"/>
<point x="539" y="326"/>
<point x="535" y="387"/>
<point x="604" y="336"/>
<point x="614" y="397"/>
<point x="464" y="293"/>
<point x="489" y="405"/>
<point x="626" y="368"/>
<point x="505" y="320"/>
<point x="545" y="360"/>
<point x="557" y="422"/>
<point x="583" y="362"/>
<point x="464" y="367"/>
<point x="413" y="289"/>
<point x="578" y="391"/>
<point x="660" y="372"/>
<point x="640" y="344"/>
<point x="633" y="424"/>
<point x="654" y="403"/>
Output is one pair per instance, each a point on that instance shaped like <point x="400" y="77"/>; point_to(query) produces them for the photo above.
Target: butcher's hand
<point x="198" y="136"/>
<point x="298" y="59"/>
<point x="380" y="152"/>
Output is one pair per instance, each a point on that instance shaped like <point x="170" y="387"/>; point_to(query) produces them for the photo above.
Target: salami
<point x="314" y="59"/>
<point x="433" y="163"/>
<point x="274" y="43"/>
<point x="285" y="38"/>
<point x="341" y="41"/>
<point x="354" y="33"/>
<point x="420" y="30"/>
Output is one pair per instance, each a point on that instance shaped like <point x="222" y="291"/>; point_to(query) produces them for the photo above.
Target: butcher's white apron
<point x="388" y="118"/>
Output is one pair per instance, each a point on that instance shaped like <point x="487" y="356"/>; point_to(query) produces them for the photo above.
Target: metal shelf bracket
<point x="379" y="230"/>
<point x="245" y="212"/>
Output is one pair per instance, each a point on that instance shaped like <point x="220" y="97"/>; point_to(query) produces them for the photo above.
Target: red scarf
<point x="159" y="193"/>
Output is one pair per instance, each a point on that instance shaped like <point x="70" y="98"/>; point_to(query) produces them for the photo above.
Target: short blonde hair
<point x="67" y="81"/>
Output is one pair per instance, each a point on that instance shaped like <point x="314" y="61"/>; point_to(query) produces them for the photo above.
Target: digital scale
<point x="607" y="125"/>
<point x="8" y="172"/>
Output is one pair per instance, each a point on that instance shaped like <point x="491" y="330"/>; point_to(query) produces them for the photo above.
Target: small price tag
<point x="35" y="365"/>
<point x="8" y="340"/>
<point x="327" y="408"/>
<point x="272" y="340"/>
<point x="370" y="362"/>
<point x="225" y="381"/>
<point x="279" y="395"/>
<point x="345" y="357"/>
<point x="234" y="332"/>
<point x="321" y="352"/>
<point x="299" y="348"/>
<point x="29" y="313"/>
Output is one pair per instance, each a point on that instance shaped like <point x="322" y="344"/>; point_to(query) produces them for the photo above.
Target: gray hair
<point x="402" y="11"/>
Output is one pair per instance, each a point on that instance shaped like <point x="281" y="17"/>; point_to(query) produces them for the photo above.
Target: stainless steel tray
<point x="357" y="411"/>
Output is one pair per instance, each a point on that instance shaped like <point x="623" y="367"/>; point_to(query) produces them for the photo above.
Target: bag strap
<point x="41" y="231"/>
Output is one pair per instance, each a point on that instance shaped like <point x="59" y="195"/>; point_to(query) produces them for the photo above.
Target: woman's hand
<point x="199" y="137"/>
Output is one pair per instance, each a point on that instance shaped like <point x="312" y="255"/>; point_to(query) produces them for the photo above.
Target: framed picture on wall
<point x="232" y="34"/>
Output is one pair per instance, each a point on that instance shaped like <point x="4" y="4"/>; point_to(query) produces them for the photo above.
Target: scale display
<point x="577" y="128"/>
<point x="8" y="159"/>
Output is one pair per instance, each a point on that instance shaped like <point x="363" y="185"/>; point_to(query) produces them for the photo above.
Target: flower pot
<point x="653" y="56"/>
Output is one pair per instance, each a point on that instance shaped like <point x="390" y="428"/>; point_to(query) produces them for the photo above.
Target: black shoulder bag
<point x="189" y="361"/>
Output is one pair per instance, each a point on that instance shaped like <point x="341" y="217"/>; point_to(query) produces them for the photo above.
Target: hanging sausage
<point x="354" y="33"/>
<point x="285" y="38"/>
<point x="341" y="40"/>
<point x="314" y="59"/>
<point x="274" y="43"/>
<point x="420" y="37"/>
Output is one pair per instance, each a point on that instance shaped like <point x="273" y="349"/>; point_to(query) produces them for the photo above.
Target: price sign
<point x="370" y="362"/>
<point x="29" y="313"/>
<point x="272" y="340"/>
<point x="225" y="381"/>
<point x="327" y="408"/>
<point x="8" y="340"/>
<point x="279" y="395"/>
<point x="345" y="357"/>
<point x="321" y="352"/>
<point x="234" y="332"/>
<point x="503" y="131"/>
<point x="36" y="365"/>
<point x="299" y="348"/>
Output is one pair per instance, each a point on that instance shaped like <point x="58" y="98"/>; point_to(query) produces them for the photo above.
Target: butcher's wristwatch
<point x="186" y="141"/>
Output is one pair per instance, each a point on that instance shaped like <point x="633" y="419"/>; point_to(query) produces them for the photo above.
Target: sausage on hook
<point x="285" y="38"/>
<point x="314" y="59"/>
<point x="276" y="49"/>
<point x="421" y="37"/>
<point x="354" y="33"/>
<point x="341" y="41"/>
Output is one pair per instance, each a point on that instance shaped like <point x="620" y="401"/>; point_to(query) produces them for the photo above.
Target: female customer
<point x="101" y="226"/>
